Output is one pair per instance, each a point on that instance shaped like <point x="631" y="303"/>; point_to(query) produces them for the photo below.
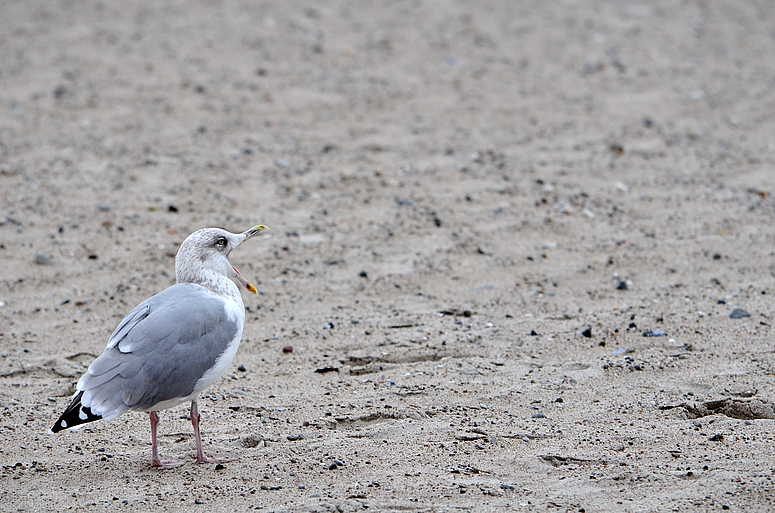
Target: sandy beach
<point x="521" y="253"/>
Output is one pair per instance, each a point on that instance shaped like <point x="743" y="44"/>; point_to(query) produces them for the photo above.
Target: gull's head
<point x="206" y="251"/>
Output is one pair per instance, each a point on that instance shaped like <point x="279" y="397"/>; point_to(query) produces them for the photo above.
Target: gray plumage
<point x="139" y="369"/>
<point x="171" y="346"/>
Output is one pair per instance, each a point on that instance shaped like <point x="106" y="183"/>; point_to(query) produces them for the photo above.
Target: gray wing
<point x="159" y="351"/>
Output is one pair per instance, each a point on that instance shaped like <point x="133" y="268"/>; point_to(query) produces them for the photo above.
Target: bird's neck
<point x="215" y="282"/>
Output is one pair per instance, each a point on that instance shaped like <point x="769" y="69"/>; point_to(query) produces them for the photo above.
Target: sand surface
<point x="477" y="210"/>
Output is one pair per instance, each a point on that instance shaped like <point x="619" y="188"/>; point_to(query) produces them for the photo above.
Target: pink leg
<point x="155" y="461"/>
<point x="200" y="453"/>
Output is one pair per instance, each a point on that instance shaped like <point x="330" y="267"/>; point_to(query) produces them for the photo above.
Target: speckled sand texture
<point x="477" y="210"/>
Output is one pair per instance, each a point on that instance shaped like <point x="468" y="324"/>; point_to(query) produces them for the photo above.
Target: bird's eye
<point x="220" y="242"/>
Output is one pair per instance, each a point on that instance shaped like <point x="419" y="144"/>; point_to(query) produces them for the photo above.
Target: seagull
<point x="172" y="345"/>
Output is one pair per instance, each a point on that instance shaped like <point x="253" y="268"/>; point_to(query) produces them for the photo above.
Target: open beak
<point x="248" y="234"/>
<point x="252" y="231"/>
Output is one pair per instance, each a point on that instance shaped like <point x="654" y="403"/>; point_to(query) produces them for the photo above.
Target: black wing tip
<point x="74" y="415"/>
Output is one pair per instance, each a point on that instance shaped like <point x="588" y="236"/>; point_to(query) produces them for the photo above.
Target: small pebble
<point x="622" y="285"/>
<point x="739" y="313"/>
<point x="539" y="415"/>
<point x="42" y="259"/>
<point x="654" y="333"/>
<point x="242" y="368"/>
<point x="287" y="349"/>
<point x="333" y="466"/>
<point x="295" y="436"/>
<point x="587" y="333"/>
<point x="198" y="501"/>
